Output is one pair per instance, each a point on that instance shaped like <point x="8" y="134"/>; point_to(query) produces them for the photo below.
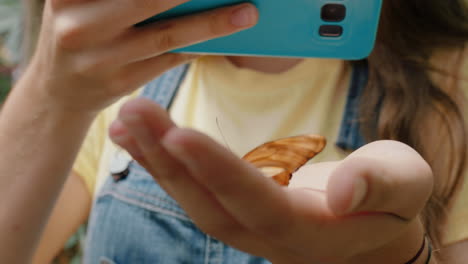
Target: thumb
<point x="383" y="176"/>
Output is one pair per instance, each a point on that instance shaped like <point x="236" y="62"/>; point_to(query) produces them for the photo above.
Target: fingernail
<point x="126" y="142"/>
<point x="359" y="193"/>
<point x="118" y="133"/>
<point x="172" y="144"/>
<point x="174" y="148"/>
<point x="120" y="140"/>
<point x="117" y="129"/>
<point x="244" y="16"/>
<point x="139" y="130"/>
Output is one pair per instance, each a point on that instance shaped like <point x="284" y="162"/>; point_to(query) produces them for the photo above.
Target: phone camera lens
<point x="331" y="31"/>
<point x="333" y="12"/>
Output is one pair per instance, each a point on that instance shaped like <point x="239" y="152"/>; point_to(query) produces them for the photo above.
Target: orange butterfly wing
<point x="280" y="158"/>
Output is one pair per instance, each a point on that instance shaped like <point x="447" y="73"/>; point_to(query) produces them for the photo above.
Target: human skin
<point x="287" y="225"/>
<point x="78" y="70"/>
<point x="85" y="60"/>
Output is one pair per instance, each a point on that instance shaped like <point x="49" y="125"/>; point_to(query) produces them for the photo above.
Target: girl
<point x="368" y="213"/>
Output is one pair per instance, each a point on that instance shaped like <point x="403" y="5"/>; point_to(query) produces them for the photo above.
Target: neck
<point x="264" y="64"/>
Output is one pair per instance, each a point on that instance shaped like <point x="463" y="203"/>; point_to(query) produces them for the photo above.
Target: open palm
<point x="370" y="200"/>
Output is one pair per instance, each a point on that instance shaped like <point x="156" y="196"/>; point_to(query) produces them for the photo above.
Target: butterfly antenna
<point x="222" y="135"/>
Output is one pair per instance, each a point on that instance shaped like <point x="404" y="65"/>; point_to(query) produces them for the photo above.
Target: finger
<point x="308" y="188"/>
<point x="286" y="217"/>
<point x="128" y="12"/>
<point x="79" y="28"/>
<point x="333" y="237"/>
<point x="81" y="23"/>
<point x="384" y="176"/>
<point x="255" y="201"/>
<point x="59" y="4"/>
<point x="147" y="42"/>
<point x="146" y="123"/>
<point x="120" y="135"/>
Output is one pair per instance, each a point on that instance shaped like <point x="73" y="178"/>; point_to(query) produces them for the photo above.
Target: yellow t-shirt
<point x="230" y="104"/>
<point x="242" y="108"/>
<point x="93" y="160"/>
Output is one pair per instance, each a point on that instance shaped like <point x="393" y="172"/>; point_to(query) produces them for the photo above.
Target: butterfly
<point x="279" y="159"/>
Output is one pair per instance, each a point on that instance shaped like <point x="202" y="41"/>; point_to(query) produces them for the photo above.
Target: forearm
<point x="39" y="144"/>
<point x="70" y="212"/>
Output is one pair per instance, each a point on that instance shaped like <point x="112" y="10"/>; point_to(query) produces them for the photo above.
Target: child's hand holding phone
<point x="294" y="28"/>
<point x="89" y="55"/>
<point x="95" y="54"/>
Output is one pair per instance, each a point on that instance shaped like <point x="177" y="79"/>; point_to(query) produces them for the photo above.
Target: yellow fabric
<point x="241" y="109"/>
<point x="230" y="104"/>
<point x="87" y="162"/>
<point x="92" y="163"/>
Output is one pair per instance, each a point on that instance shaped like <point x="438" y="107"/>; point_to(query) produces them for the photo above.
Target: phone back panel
<point x="291" y="29"/>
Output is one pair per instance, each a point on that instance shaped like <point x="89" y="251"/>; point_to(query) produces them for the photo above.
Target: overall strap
<point x="163" y="89"/>
<point x="350" y="136"/>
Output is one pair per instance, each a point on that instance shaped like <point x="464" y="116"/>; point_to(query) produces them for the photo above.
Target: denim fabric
<point x="163" y="89"/>
<point x="350" y="136"/>
<point x="135" y="221"/>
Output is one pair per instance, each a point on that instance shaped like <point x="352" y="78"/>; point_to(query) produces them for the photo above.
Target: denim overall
<point x="135" y="221"/>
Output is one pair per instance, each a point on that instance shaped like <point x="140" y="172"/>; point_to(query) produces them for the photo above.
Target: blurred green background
<point x="10" y="43"/>
<point x="5" y="81"/>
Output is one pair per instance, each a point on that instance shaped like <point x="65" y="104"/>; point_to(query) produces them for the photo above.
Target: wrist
<point x="400" y="250"/>
<point x="58" y="93"/>
<point x="28" y="105"/>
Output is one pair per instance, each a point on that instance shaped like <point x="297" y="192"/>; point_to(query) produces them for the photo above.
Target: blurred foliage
<point x="10" y="30"/>
<point x="72" y="252"/>
<point x="5" y="85"/>
<point x="10" y="42"/>
<point x="5" y="80"/>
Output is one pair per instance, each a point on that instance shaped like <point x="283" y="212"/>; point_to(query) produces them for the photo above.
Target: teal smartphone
<point x="344" y="29"/>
